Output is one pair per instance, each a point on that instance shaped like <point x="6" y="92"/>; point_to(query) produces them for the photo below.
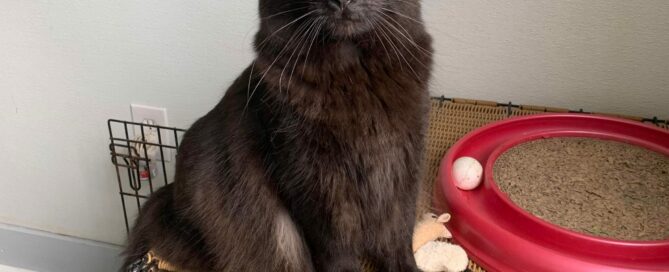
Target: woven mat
<point x="451" y="119"/>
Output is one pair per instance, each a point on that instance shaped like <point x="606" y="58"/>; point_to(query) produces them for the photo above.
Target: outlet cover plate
<point x="158" y="116"/>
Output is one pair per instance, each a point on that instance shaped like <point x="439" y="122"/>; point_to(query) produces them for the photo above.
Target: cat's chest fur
<point x="351" y="123"/>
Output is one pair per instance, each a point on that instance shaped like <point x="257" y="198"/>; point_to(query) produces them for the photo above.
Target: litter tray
<point x="500" y="236"/>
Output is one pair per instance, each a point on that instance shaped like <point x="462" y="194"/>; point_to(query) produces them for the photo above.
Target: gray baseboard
<point x="47" y="252"/>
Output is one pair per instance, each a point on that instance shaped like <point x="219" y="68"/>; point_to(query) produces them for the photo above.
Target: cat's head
<point x="339" y="19"/>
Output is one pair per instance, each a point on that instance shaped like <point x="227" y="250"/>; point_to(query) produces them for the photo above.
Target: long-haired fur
<point x="311" y="160"/>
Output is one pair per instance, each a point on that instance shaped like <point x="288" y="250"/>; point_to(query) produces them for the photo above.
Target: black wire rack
<point x="143" y="155"/>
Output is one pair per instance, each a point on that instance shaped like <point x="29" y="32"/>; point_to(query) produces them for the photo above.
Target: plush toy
<point x="437" y="256"/>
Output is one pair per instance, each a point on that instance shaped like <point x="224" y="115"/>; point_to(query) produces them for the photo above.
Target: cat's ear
<point x="444" y="218"/>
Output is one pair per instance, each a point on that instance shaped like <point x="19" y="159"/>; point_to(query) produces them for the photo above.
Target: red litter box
<point x="500" y="236"/>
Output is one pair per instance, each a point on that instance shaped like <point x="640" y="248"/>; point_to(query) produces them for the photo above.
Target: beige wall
<point x="66" y="66"/>
<point x="601" y="55"/>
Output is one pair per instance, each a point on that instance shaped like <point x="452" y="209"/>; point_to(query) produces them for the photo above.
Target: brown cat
<point x="311" y="160"/>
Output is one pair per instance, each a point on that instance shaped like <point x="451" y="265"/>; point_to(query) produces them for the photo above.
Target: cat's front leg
<point x="337" y="259"/>
<point x="391" y="250"/>
<point x="337" y="244"/>
<point x="395" y="257"/>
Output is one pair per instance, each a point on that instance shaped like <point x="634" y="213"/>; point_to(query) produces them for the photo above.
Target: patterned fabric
<point x="143" y="265"/>
<point x="152" y="263"/>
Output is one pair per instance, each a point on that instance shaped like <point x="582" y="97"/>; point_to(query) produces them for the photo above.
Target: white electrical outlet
<point x="155" y="116"/>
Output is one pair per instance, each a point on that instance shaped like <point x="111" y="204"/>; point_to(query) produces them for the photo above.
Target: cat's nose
<point x="339" y="4"/>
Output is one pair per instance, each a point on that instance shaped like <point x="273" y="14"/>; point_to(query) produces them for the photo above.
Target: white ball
<point x="467" y="173"/>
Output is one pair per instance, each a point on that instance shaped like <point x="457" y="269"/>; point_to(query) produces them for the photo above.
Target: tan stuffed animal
<point x="437" y="256"/>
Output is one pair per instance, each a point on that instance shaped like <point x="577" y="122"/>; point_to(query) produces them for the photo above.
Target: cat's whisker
<point x="304" y="29"/>
<point x="306" y="58"/>
<point x="389" y="33"/>
<point x="392" y="45"/>
<point x="410" y="3"/>
<point x="248" y="85"/>
<point x="383" y="44"/>
<point x="422" y="24"/>
<point x="404" y="16"/>
<point x="260" y="48"/>
<point x="262" y="44"/>
<point x="307" y="38"/>
<point x="405" y="33"/>
<point x="281" y="13"/>
<point x="279" y="55"/>
<point x="396" y="31"/>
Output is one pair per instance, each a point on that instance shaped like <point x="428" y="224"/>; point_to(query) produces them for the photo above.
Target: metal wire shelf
<point x="143" y="160"/>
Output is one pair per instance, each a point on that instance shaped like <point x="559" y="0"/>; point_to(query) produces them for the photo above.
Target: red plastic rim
<point x="503" y="237"/>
